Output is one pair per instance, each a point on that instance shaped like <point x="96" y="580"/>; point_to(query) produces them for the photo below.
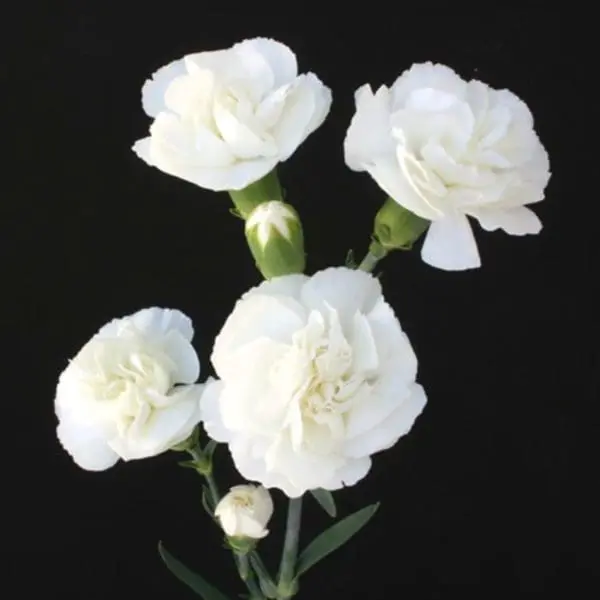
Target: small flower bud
<point x="244" y="513"/>
<point x="274" y="235"/>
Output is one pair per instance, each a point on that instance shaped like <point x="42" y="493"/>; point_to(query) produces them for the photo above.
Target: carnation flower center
<point x="136" y="371"/>
<point x="130" y="381"/>
<point x="327" y="383"/>
<point x="242" y="501"/>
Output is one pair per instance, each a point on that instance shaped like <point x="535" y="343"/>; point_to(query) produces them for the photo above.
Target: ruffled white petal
<point x="519" y="220"/>
<point x="86" y="445"/>
<point x="450" y="244"/>
<point x="369" y="136"/>
<point x="347" y="290"/>
<point x="154" y="89"/>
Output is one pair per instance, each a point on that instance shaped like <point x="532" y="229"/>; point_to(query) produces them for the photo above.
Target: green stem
<point x="368" y="263"/>
<point x="374" y="255"/>
<point x="199" y="457"/>
<point x="266" y="582"/>
<point x="290" y="549"/>
<point x="246" y="575"/>
<point x="212" y="488"/>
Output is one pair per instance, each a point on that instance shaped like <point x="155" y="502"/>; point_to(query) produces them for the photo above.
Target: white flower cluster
<point x="314" y="373"/>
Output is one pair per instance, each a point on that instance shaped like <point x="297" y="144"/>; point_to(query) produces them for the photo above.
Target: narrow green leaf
<point x="325" y="499"/>
<point x="197" y="583"/>
<point x="333" y="538"/>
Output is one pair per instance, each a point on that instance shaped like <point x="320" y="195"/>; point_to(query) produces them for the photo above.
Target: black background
<point x="492" y="493"/>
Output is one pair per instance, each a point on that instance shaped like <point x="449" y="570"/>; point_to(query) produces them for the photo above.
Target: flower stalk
<point x="287" y="585"/>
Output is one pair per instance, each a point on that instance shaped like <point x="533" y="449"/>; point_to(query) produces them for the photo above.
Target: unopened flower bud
<point x="275" y="237"/>
<point x="244" y="513"/>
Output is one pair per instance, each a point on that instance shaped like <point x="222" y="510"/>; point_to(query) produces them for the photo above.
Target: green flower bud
<point x="274" y="235"/>
<point x="397" y="228"/>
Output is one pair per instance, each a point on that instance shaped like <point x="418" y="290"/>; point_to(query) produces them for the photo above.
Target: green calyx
<point x="396" y="228"/>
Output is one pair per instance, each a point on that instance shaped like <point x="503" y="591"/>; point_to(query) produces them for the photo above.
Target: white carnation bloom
<point x="224" y="119"/>
<point x="316" y="375"/>
<point x="245" y="511"/>
<point x="119" y="398"/>
<point x="446" y="149"/>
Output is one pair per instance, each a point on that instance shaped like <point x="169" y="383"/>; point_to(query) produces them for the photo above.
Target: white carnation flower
<point x="245" y="511"/>
<point x="119" y="397"/>
<point x="316" y="375"/>
<point x="446" y="149"/>
<point x="224" y="119"/>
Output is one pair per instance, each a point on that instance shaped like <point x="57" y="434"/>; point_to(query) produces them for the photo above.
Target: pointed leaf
<point x="197" y="583"/>
<point x="333" y="538"/>
<point x="325" y="499"/>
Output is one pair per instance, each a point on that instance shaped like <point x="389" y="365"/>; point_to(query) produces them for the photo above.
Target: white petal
<point x="346" y="290"/>
<point x="201" y="158"/>
<point x="388" y="394"/>
<point x="152" y="322"/>
<point x="182" y="353"/>
<point x="303" y="101"/>
<point x="86" y="445"/>
<point x="154" y="89"/>
<point x="210" y="409"/>
<point x="251" y="465"/>
<point x="237" y="177"/>
<point x="158" y="321"/>
<point x="369" y="134"/>
<point x="251" y="319"/>
<point x="392" y="179"/>
<point x="304" y="470"/>
<point x="390" y="430"/>
<point x="365" y="357"/>
<point x="228" y="517"/>
<point x="263" y="504"/>
<point x="286" y="285"/>
<point x="427" y="75"/>
<point x="241" y="68"/>
<point x="515" y="221"/>
<point x="279" y="57"/>
<point x="393" y="346"/>
<point x="179" y="149"/>
<point x="323" y="100"/>
<point x="450" y="244"/>
<point x="142" y="150"/>
<point x="250" y="527"/>
<point x="248" y="402"/>
<point x="165" y="427"/>
<point x="243" y="142"/>
<point x="350" y="474"/>
<point x="191" y="95"/>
